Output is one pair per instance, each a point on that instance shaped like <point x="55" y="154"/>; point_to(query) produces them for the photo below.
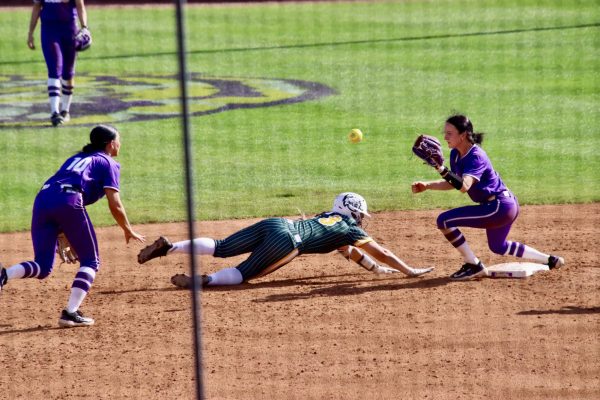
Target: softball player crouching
<point x="60" y="206"/>
<point x="274" y="242"/>
<point x="471" y="171"/>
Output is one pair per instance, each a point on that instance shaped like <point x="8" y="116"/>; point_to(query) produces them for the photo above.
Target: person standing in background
<point x="61" y="39"/>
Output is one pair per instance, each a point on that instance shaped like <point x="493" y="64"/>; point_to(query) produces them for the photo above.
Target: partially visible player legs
<point x="41" y="267"/>
<point x="71" y="316"/>
<point x="44" y="231"/>
<point x="498" y="244"/>
<point x="54" y="98"/>
<point x="457" y="239"/>
<point x="276" y="250"/>
<point x="81" y="234"/>
<point x="269" y="241"/>
<point x="163" y="246"/>
<point x="3" y="276"/>
<point x="201" y="246"/>
<point x="66" y="98"/>
<point x="496" y="214"/>
<point x="69" y="55"/>
<point x="43" y="235"/>
<point x="54" y="63"/>
<point x="473" y="267"/>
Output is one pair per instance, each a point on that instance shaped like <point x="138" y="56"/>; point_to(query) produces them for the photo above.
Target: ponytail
<point x="463" y="124"/>
<point x="476" y="137"/>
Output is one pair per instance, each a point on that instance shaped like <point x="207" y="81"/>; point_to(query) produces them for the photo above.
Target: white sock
<point x="54" y="94"/>
<point x="78" y="294"/>
<point x="227" y="276"/>
<point x="467" y="254"/>
<point x="75" y="299"/>
<point x="532" y="254"/>
<point x="66" y="96"/>
<point x="202" y="246"/>
<point x="16" y="271"/>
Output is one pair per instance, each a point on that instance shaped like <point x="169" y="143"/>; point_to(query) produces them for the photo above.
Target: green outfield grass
<point x="526" y="72"/>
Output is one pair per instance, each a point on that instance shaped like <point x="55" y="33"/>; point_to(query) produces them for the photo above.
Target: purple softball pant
<point x="58" y="47"/>
<point x="495" y="216"/>
<point x="57" y="209"/>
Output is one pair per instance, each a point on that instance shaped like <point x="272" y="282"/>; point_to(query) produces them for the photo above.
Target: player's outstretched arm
<point x="385" y="256"/>
<point x="420" y="186"/>
<point x="364" y="260"/>
<point x="118" y="212"/>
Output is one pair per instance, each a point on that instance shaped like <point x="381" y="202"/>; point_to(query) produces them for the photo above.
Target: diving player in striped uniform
<point x="59" y="28"/>
<point x="471" y="171"/>
<point x="274" y="242"/>
<point x="60" y="207"/>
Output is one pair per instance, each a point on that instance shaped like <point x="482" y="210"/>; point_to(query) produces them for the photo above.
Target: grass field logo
<point x="110" y="99"/>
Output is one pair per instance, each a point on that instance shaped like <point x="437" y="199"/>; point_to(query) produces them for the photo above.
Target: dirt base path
<point x="319" y="328"/>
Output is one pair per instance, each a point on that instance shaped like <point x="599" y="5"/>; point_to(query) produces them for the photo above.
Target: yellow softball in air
<point x="355" y="136"/>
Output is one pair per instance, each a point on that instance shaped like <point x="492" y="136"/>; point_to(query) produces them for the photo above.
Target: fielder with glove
<point x="59" y="212"/>
<point x="65" y="251"/>
<point x="471" y="172"/>
<point x="274" y="242"/>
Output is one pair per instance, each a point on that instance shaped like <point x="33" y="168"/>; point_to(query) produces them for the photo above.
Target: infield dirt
<point x="320" y="327"/>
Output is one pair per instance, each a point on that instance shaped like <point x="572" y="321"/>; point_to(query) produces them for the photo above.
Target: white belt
<point x="504" y="193"/>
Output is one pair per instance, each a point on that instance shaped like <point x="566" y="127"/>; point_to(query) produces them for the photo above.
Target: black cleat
<point x="56" y="119"/>
<point x="66" y="117"/>
<point x="71" y="320"/>
<point x="185" y="282"/>
<point x="159" y="248"/>
<point x="3" y="277"/>
<point x="469" y="271"/>
<point x="555" y="262"/>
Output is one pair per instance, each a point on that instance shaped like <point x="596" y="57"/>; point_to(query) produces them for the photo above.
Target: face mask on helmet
<point x="351" y="205"/>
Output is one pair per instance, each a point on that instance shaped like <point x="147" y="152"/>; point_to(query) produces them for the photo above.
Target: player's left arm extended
<point x="384" y="255"/>
<point x="118" y="212"/>
<point x="364" y="260"/>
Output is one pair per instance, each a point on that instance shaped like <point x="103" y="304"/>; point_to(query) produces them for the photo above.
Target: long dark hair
<point x="100" y="136"/>
<point x="463" y="124"/>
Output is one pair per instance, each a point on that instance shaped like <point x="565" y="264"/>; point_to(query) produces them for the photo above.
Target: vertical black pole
<point x="187" y="147"/>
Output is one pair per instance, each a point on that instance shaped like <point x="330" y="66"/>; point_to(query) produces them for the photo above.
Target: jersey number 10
<point x="79" y="164"/>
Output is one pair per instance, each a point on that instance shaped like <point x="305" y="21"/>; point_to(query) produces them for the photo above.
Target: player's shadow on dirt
<point x="335" y="289"/>
<point x="568" y="310"/>
<point x="140" y="290"/>
<point x="27" y="330"/>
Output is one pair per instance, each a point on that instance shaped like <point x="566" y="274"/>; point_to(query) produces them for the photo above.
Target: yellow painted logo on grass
<point x="110" y="99"/>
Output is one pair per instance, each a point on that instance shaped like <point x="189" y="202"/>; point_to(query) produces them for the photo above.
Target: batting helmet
<point x="351" y="205"/>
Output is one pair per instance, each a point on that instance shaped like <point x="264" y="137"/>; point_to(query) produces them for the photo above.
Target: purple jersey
<point x="89" y="173"/>
<point x="477" y="164"/>
<point x="57" y="10"/>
